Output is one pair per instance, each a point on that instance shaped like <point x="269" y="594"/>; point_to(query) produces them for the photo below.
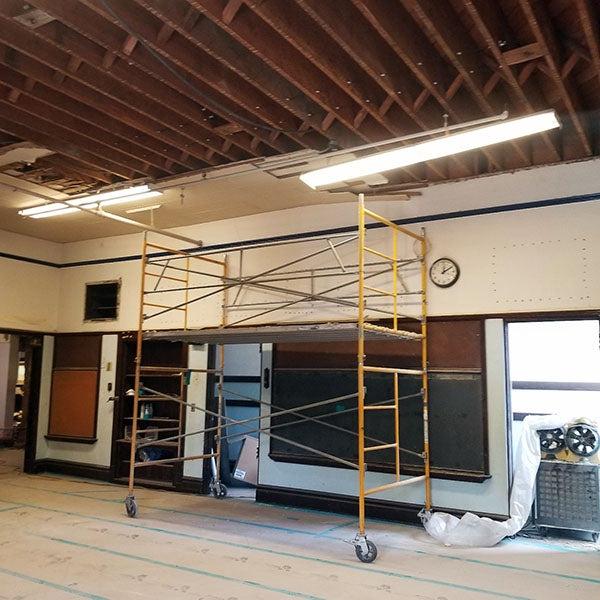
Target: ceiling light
<point x="92" y="201"/>
<point x="447" y="145"/>
<point x="143" y="209"/>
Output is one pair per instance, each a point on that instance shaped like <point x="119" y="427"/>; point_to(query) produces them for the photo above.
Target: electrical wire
<point x="209" y="102"/>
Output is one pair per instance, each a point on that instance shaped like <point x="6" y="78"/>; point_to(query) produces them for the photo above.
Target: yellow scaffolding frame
<point x="181" y="372"/>
<point x="365" y="549"/>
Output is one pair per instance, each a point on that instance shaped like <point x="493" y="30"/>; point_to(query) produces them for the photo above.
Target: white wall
<point x="196" y="393"/>
<point x="28" y="291"/>
<point x="538" y="259"/>
<point x="99" y="452"/>
<point x="42" y="298"/>
<point x="532" y="260"/>
<point x="512" y="261"/>
<point x="9" y="363"/>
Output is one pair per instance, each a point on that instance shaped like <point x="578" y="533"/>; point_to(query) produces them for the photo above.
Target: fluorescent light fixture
<point x="92" y="201"/>
<point x="143" y="209"/>
<point x="447" y="145"/>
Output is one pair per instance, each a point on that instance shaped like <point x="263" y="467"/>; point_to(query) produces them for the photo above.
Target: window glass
<point x="555" y="367"/>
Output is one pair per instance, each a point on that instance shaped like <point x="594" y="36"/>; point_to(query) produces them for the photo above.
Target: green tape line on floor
<point x="192" y="570"/>
<point x="322" y="534"/>
<point x="51" y="584"/>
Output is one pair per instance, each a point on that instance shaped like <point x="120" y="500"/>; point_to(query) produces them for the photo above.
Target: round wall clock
<point x="444" y="272"/>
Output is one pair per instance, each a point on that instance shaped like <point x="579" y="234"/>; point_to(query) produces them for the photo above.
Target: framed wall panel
<point x="74" y="392"/>
<point x="309" y="372"/>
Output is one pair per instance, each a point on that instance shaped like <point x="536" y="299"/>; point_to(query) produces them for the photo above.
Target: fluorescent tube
<point x="93" y="201"/>
<point x="447" y="145"/>
<point x="143" y="209"/>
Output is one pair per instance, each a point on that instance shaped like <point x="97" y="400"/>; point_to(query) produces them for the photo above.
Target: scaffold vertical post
<point x="396" y="383"/>
<point x="219" y="490"/>
<point x="130" y="502"/>
<point x="360" y="363"/>
<point x="424" y="360"/>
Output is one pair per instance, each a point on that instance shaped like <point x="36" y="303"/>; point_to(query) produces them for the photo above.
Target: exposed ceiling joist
<point x="158" y="88"/>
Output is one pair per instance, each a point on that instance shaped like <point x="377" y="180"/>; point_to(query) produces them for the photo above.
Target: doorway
<point x="20" y="373"/>
<point x="241" y="401"/>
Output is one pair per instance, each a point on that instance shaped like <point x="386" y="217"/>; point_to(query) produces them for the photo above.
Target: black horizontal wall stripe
<point x="347" y="229"/>
<point x="35" y="261"/>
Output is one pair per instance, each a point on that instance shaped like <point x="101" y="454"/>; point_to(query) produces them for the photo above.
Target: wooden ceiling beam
<point x="88" y="97"/>
<point x="41" y="46"/>
<point x="141" y="145"/>
<point x="46" y="140"/>
<point x="166" y="31"/>
<point x="134" y="87"/>
<point x="56" y="42"/>
<point x="230" y="10"/>
<point x="78" y="167"/>
<point x="521" y="54"/>
<point x="443" y="27"/>
<point x="225" y="48"/>
<point x="106" y="158"/>
<point x="422" y="74"/>
<point x="229" y="95"/>
<point x="297" y="27"/>
<point x="122" y="151"/>
<point x="335" y="68"/>
<point x="293" y="65"/>
<point x="84" y="28"/>
<point x="569" y="65"/>
<point x="486" y="19"/>
<point x="13" y="95"/>
<point x="379" y="63"/>
<point x="105" y="128"/>
<point x="541" y="27"/>
<point x="422" y="78"/>
<point x="589" y="16"/>
<point x="64" y="169"/>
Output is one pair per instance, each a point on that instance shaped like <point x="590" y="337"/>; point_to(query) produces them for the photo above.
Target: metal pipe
<point x="293" y="302"/>
<point x="360" y="361"/>
<point x="247" y="280"/>
<point x="401" y="262"/>
<point x="249" y="420"/>
<point x="260" y="281"/>
<point x="286" y="440"/>
<point x="316" y="419"/>
<point x="425" y="378"/>
<point x="106" y="215"/>
<point x="395" y="484"/>
<point x="138" y="371"/>
<point x="174" y="459"/>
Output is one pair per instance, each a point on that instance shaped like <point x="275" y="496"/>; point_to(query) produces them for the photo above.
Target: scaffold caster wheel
<point x="131" y="506"/>
<point x="367" y="556"/>
<point x="219" y="490"/>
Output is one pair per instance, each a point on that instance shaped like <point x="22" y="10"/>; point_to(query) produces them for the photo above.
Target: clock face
<point x="444" y="272"/>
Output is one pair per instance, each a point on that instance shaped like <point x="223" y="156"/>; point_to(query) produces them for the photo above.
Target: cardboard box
<point x="246" y="468"/>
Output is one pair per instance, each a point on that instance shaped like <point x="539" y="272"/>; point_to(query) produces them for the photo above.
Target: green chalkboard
<point x="457" y="427"/>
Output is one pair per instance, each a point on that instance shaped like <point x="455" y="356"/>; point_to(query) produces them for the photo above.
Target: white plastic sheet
<point x="471" y="530"/>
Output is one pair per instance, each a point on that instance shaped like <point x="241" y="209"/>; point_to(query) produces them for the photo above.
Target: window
<point x="555" y="367"/>
<point x="102" y="301"/>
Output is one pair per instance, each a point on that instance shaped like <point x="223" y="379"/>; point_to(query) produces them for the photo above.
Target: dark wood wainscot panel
<point x="74" y="394"/>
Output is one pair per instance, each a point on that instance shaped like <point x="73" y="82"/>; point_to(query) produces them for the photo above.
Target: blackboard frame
<point x="279" y="453"/>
